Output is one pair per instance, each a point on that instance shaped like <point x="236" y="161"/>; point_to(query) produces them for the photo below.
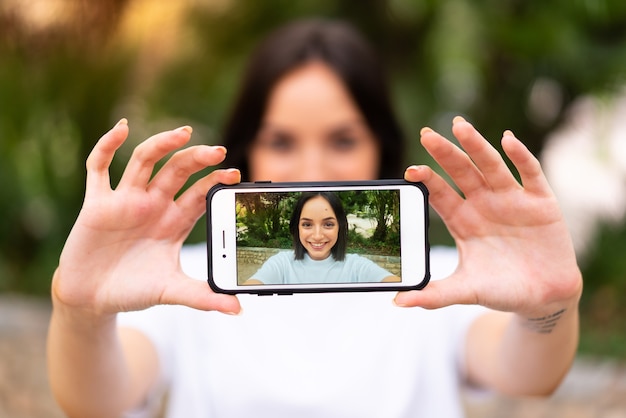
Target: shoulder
<point x="280" y="260"/>
<point x="283" y="256"/>
<point x="356" y="259"/>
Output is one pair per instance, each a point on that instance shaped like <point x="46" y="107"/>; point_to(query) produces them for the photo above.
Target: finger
<point x="441" y="196"/>
<point x="527" y="165"/>
<point x="437" y="294"/>
<point x="145" y="156"/>
<point x="486" y="158"/>
<point x="99" y="160"/>
<point x="175" y="173"/>
<point x="197" y="294"/>
<point x="453" y="160"/>
<point x="193" y="200"/>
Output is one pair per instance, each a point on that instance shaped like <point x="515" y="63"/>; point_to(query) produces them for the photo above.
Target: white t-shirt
<point x="310" y="355"/>
<point x="283" y="268"/>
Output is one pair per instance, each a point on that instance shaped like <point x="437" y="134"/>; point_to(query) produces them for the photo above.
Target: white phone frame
<point x="222" y="249"/>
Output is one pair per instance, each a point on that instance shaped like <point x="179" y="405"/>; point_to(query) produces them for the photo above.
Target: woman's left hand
<point x="515" y="251"/>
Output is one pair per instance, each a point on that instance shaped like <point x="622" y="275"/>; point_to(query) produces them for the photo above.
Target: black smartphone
<point x="285" y="238"/>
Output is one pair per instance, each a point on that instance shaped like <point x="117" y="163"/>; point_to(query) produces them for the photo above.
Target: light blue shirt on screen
<point x="283" y="268"/>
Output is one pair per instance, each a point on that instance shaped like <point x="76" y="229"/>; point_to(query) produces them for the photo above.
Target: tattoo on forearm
<point x="544" y="324"/>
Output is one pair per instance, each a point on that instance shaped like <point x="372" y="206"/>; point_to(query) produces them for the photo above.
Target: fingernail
<point x="236" y="171"/>
<point x="397" y="303"/>
<point x="122" y="121"/>
<point x="235" y="313"/>
<point x="412" y="168"/>
<point x="458" y="119"/>
<point x="425" y="129"/>
<point x="220" y="147"/>
<point x="186" y="128"/>
<point x="508" y="132"/>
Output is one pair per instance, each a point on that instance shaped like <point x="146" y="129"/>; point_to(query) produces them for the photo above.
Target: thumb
<point x="437" y="294"/>
<point x="197" y="294"/>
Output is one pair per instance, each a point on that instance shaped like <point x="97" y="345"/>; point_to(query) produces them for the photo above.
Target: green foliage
<point x="360" y="244"/>
<point x="385" y="209"/>
<point x="56" y="99"/>
<point x="603" y="305"/>
<point x="264" y="220"/>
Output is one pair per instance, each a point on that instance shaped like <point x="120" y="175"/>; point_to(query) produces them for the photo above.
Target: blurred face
<point x="313" y="131"/>
<point x="318" y="228"/>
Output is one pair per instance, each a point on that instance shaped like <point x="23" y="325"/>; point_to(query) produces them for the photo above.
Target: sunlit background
<point x="553" y="72"/>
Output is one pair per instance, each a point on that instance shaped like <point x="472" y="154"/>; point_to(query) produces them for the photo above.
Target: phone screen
<point x="305" y="238"/>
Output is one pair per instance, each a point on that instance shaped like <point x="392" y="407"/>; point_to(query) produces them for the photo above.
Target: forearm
<point x="524" y="355"/>
<point x="89" y="369"/>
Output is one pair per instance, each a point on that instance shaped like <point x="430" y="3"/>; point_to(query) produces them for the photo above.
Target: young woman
<point x="343" y="126"/>
<point x="319" y="228"/>
<point x="315" y="110"/>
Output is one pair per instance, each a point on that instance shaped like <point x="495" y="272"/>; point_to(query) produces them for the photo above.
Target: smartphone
<point x="283" y="238"/>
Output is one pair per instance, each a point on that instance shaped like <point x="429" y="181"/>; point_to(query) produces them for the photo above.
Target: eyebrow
<point x="342" y="128"/>
<point x="347" y="127"/>
<point x="325" y="219"/>
<point x="273" y="129"/>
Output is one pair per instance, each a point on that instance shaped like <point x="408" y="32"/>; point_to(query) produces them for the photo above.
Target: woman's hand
<point x="123" y="251"/>
<point x="515" y="252"/>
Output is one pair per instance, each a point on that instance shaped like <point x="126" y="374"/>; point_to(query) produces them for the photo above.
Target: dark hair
<point x="343" y="49"/>
<point x="339" y="249"/>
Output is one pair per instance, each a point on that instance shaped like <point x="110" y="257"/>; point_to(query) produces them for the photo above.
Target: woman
<point x="331" y="355"/>
<point x="319" y="228"/>
<point x="263" y="130"/>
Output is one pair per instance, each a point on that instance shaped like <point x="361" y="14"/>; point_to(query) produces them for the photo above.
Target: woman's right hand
<point x="123" y="251"/>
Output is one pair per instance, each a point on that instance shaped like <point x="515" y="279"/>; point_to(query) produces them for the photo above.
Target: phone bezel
<point x="409" y="216"/>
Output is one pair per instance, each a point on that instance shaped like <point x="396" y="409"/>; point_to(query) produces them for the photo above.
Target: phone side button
<point x="275" y="293"/>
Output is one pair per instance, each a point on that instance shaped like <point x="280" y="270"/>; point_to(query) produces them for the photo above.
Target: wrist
<point x="563" y="292"/>
<point x="543" y="324"/>
<point x="81" y="315"/>
<point x="547" y="318"/>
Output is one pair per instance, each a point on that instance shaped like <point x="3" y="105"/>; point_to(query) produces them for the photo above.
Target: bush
<point x="603" y="304"/>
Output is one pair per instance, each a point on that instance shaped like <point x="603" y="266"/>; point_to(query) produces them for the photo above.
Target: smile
<point x="317" y="246"/>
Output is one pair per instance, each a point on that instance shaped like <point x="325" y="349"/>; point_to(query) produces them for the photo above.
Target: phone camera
<point x="223" y="255"/>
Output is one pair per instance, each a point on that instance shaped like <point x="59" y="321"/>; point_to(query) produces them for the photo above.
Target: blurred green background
<point x="70" y="69"/>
